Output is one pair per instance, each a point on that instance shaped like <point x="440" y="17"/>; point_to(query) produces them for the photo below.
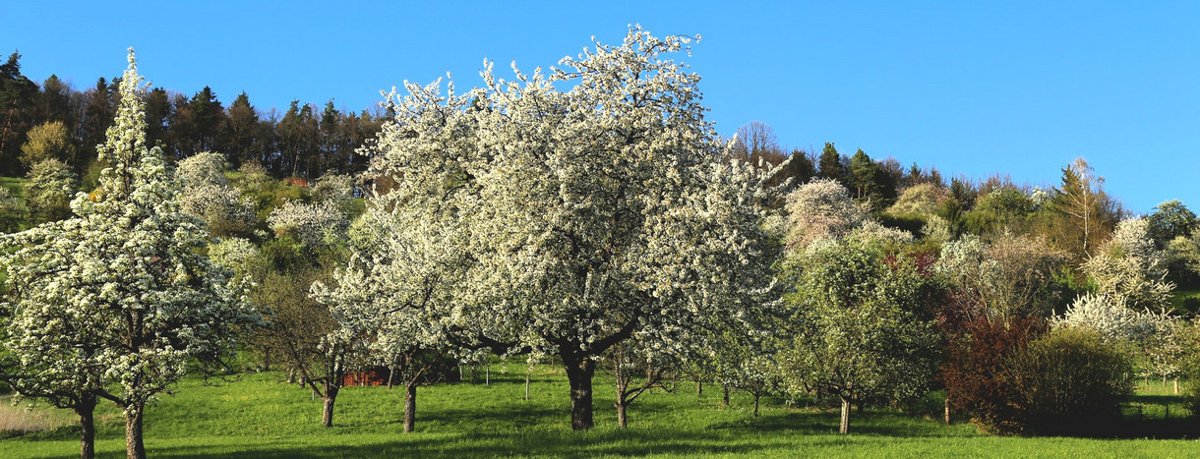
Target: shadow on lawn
<point x="557" y="444"/>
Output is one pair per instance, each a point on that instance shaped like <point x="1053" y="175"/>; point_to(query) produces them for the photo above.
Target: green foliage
<point x="863" y="330"/>
<point x="1170" y="220"/>
<point x="13" y="211"/>
<point x="48" y="140"/>
<point x="1002" y="209"/>
<point x="1070" y="381"/>
<point x="871" y="184"/>
<point x="829" y="164"/>
<point x="49" y="190"/>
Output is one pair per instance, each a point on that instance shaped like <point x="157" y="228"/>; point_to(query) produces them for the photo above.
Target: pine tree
<point x="829" y="165"/>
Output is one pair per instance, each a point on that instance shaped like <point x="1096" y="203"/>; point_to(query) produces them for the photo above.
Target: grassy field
<point x="257" y="416"/>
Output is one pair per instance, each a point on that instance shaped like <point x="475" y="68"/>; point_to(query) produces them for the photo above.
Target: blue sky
<point x="974" y="88"/>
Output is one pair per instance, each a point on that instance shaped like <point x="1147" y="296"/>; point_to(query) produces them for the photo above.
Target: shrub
<point x="1070" y="381"/>
<point x="976" y="382"/>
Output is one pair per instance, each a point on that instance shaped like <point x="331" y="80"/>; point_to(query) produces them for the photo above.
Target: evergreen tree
<point x="242" y="140"/>
<point x="158" y="116"/>
<point x="17" y="96"/>
<point x="829" y="165"/>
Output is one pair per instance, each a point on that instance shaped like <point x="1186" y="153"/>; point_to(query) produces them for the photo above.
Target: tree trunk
<point x="487" y="375"/>
<point x="87" y="427"/>
<point x="757" y="395"/>
<point x="579" y="374"/>
<point x="329" y="399"/>
<point x="947" y="410"/>
<point x="622" y="417"/>
<point x="391" y="376"/>
<point x="526" y="384"/>
<point x="134" y="448"/>
<point x="1176" y="382"/>
<point x="844" y="427"/>
<point x="699" y="389"/>
<point x="724" y="396"/>
<point x="410" y="406"/>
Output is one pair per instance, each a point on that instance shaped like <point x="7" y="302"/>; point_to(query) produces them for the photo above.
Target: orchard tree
<point x="115" y="302"/>
<point x="399" y="282"/>
<point x="306" y="334"/>
<point x="862" y="330"/>
<point x="585" y="195"/>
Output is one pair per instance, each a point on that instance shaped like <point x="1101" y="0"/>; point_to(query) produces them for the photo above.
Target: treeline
<point x="304" y="141"/>
<point x="1075" y="217"/>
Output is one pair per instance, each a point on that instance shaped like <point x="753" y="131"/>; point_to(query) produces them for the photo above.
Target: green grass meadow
<point x="259" y="416"/>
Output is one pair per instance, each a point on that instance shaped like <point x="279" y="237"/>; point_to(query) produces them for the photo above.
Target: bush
<point x="1189" y="340"/>
<point x="975" y="376"/>
<point x="1070" y="381"/>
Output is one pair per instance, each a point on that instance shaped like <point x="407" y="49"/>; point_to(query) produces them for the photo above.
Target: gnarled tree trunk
<point x="579" y="375"/>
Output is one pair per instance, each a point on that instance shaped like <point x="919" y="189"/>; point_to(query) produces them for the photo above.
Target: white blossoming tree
<point x="208" y="194"/>
<point x="49" y="190"/>
<point x="114" y="302"/>
<point x="582" y="202"/>
<point x="315" y="224"/>
<point x="1131" y="266"/>
<point x="395" y="287"/>
<point x="1005" y="279"/>
<point x="821" y="209"/>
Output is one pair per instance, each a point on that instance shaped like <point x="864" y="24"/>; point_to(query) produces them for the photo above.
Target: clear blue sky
<point x="1013" y="87"/>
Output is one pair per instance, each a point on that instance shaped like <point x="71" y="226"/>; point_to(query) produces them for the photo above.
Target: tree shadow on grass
<point x="826" y="422"/>
<point x="557" y="444"/>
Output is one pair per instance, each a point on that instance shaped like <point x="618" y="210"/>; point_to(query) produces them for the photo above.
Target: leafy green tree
<point x="56" y="104"/>
<point x="862" y="330"/>
<point x="1170" y="220"/>
<point x="1002" y="209"/>
<point x="98" y="115"/>
<point x="12" y="211"/>
<point x="49" y="140"/>
<point x="871" y="184"/>
<point x="158" y="117"/>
